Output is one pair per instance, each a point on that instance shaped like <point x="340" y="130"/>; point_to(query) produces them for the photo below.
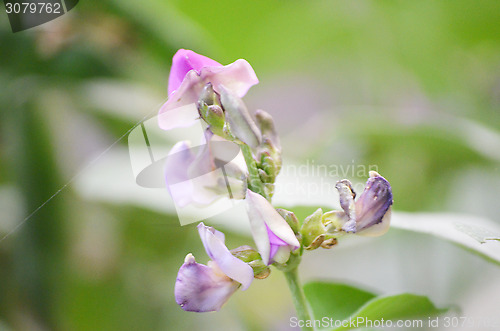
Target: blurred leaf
<point x="397" y="307"/>
<point x="465" y="231"/>
<point x="337" y="301"/>
<point x="480" y="234"/>
<point x="343" y="302"/>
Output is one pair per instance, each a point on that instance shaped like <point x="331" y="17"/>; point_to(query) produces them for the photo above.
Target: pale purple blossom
<point x="203" y="288"/>
<point x="370" y="214"/>
<point x="189" y="74"/>
<point x="193" y="175"/>
<point x="272" y="235"/>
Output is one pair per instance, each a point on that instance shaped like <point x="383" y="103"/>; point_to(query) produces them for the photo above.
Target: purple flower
<point x="183" y="62"/>
<point x="189" y="74"/>
<point x="203" y="288"/>
<point x="192" y="175"/>
<point x="272" y="234"/>
<point x="370" y="215"/>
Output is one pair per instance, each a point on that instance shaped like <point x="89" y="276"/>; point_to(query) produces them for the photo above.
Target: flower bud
<point x="241" y="124"/>
<point x="269" y="166"/>
<point x="291" y="219"/>
<point x="268" y="129"/>
<point x="269" y="151"/>
<point x="210" y="110"/>
<point x="269" y="189"/>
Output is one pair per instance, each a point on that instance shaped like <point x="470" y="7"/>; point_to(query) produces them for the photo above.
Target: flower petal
<point x="179" y="115"/>
<point x="200" y="288"/>
<point x="379" y="228"/>
<point x="183" y="104"/>
<point x="237" y="77"/>
<point x="374" y="202"/>
<point x="263" y="216"/>
<point x="176" y="176"/>
<point x="184" y="61"/>
<point x="234" y="268"/>
<point x="282" y="254"/>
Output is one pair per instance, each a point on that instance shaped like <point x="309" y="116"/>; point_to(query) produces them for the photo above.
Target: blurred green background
<point x="410" y="86"/>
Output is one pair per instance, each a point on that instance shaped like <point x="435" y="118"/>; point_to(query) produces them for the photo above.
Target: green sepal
<point x="313" y="231"/>
<point x="291" y="219"/>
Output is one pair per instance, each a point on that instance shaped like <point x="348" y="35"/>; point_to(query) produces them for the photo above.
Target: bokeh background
<point x="410" y="86"/>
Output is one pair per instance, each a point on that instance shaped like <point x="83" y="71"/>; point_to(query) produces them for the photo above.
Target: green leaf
<point x="396" y="307"/>
<point x="342" y="302"/>
<point x="475" y="234"/>
<point x="479" y="233"/>
<point x="337" y="301"/>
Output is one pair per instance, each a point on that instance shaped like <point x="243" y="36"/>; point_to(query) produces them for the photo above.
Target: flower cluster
<point x="201" y="89"/>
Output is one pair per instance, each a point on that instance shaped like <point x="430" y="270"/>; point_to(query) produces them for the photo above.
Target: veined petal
<point x="374" y="202"/>
<point x="184" y="61"/>
<point x="379" y="228"/>
<point x="201" y="288"/>
<point x="237" y="77"/>
<point x="183" y="103"/>
<point x="234" y="268"/>
<point x="262" y="217"/>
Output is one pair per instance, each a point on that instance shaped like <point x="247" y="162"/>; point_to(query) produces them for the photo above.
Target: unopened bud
<point x="290" y="218"/>
<point x="270" y="145"/>
<point x="267" y="128"/>
<point x="209" y="108"/>
<point x="269" y="189"/>
<point x="241" y="124"/>
<point x="208" y="96"/>
<point x="268" y="164"/>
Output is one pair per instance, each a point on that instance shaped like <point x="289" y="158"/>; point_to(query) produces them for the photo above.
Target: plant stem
<point x="299" y="300"/>
<point x="254" y="182"/>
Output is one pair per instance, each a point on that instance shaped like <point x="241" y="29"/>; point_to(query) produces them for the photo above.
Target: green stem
<point x="254" y="182"/>
<point x="299" y="300"/>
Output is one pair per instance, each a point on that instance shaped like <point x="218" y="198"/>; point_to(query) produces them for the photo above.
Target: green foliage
<point x="343" y="302"/>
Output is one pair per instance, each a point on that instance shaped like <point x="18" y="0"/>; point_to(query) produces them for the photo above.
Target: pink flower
<point x="272" y="235"/>
<point x="190" y="72"/>
<point x="203" y="288"/>
<point x="183" y="62"/>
